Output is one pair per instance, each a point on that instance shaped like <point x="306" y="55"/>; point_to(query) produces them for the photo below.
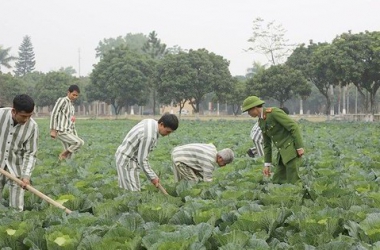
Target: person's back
<point x="197" y="161"/>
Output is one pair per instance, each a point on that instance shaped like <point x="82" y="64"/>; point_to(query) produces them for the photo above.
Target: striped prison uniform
<point x="18" y="148"/>
<point x="132" y="155"/>
<point x="62" y="119"/>
<point x="194" y="162"/>
<point x="257" y="137"/>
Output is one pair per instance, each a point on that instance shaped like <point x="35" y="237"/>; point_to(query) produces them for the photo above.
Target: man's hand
<point x="300" y="152"/>
<point x="266" y="171"/>
<point x="53" y="133"/>
<point x="25" y="182"/>
<point x="155" y="182"/>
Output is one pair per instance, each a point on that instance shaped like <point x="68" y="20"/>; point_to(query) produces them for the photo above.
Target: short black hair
<point x="169" y="120"/>
<point x="73" y="88"/>
<point x="23" y="102"/>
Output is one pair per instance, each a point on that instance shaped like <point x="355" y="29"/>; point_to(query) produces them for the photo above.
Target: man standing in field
<point x="197" y="161"/>
<point x="18" y="147"/>
<point x="282" y="131"/>
<point x="62" y="123"/>
<point x="258" y="140"/>
<point x="132" y="155"/>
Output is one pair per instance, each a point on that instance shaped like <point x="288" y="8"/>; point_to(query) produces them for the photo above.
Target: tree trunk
<point x="344" y="99"/>
<point x="339" y="98"/>
<point x="332" y="95"/>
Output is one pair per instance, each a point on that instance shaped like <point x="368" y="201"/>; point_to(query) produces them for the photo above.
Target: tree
<point x="120" y="78"/>
<point x="31" y="81"/>
<point x="172" y="77"/>
<point x="281" y="83"/>
<point x="10" y="87"/>
<point x="256" y="67"/>
<point x="68" y="70"/>
<point x="175" y="50"/>
<point x="5" y="58"/>
<point x="237" y="94"/>
<point x="357" y="60"/>
<point x="134" y="42"/>
<point x="314" y="61"/>
<point x="156" y="51"/>
<point x="52" y="86"/>
<point x="153" y="47"/>
<point x="270" y="41"/>
<point x="26" y="62"/>
<point x="192" y="75"/>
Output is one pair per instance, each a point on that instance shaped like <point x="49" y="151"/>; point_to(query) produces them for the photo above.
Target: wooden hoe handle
<point x="162" y="189"/>
<point x="35" y="191"/>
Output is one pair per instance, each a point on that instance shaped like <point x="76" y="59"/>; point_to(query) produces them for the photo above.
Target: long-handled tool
<point x="162" y="189"/>
<point x="35" y="191"/>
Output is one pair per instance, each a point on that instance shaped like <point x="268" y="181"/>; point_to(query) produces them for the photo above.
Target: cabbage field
<point x="338" y="207"/>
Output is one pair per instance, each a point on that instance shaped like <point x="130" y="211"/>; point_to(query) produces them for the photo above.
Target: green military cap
<point x="250" y="102"/>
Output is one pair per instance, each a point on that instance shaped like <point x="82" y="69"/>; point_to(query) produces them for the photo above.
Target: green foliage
<point x="25" y="61"/>
<point x="10" y="87"/>
<point x="279" y="82"/>
<point x="192" y="75"/>
<point x="5" y="57"/>
<point x="63" y="237"/>
<point x="240" y="209"/>
<point x="134" y="42"/>
<point x="52" y="86"/>
<point x="120" y="78"/>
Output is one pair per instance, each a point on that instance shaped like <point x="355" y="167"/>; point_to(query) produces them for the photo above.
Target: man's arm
<point x="29" y="156"/>
<point x="142" y="156"/>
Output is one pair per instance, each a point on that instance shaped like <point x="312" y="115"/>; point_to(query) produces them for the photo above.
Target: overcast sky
<point x="60" y="29"/>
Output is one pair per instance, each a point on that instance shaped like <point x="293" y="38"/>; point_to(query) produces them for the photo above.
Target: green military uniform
<point x="282" y="131"/>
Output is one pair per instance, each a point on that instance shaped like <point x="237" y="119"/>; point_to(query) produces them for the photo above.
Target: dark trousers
<point x="287" y="173"/>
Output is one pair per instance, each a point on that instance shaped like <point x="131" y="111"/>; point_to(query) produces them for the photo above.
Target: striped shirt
<point x="137" y="144"/>
<point x="62" y="114"/>
<point x="200" y="157"/>
<point x="18" y="144"/>
<point x="257" y="137"/>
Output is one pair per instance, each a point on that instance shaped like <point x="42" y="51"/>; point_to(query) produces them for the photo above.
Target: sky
<point x="66" y="33"/>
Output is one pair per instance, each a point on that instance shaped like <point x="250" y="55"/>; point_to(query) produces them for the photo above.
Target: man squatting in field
<point x="132" y="155"/>
<point x="197" y="161"/>
<point x="258" y="140"/>
<point x="281" y="130"/>
<point x="18" y="147"/>
<point x="62" y="123"/>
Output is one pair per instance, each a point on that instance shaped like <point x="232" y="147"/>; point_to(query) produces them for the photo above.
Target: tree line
<point x="140" y="70"/>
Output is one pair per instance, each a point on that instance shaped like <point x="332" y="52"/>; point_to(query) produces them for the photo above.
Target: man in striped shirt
<point x="18" y="147"/>
<point x="62" y="123"/>
<point x="132" y="155"/>
<point x="197" y="161"/>
<point x="257" y="138"/>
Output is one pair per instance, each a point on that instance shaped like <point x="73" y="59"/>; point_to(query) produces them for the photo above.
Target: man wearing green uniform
<point x="282" y="131"/>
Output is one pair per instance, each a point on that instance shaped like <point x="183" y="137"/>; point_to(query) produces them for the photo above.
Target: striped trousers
<point x="128" y="172"/>
<point x="257" y="137"/>
<point x="16" y="192"/>
<point x="183" y="172"/>
<point x="70" y="141"/>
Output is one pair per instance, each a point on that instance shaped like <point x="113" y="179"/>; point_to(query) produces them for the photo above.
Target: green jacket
<point x="283" y="131"/>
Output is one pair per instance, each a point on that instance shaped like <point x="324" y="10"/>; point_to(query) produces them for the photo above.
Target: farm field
<point x="337" y="208"/>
